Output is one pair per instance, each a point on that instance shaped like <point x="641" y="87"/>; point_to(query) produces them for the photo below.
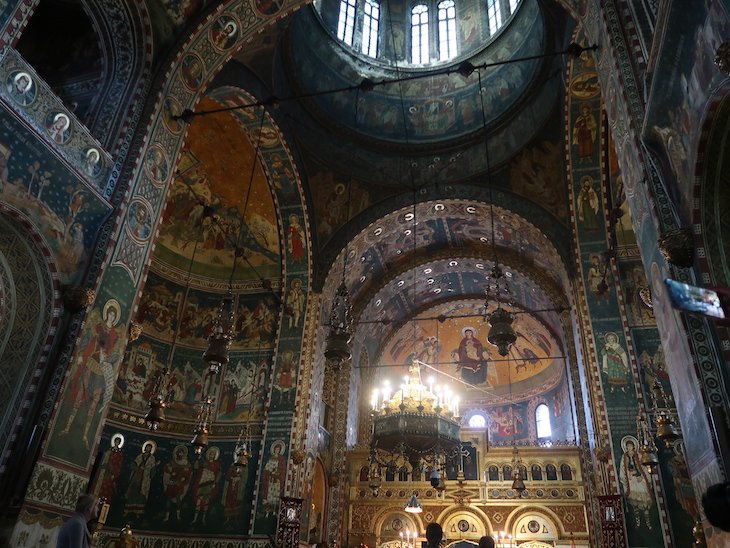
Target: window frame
<point x="346" y="26"/>
<point x="420" y="47"/>
<point x="446" y="30"/>
<point x="540" y="419"/>
<point x="370" y="41"/>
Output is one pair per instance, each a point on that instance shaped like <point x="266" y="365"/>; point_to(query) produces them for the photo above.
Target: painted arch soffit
<point x="382" y="257"/>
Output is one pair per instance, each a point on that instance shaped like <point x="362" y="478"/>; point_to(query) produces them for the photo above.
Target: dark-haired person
<point x="486" y="542"/>
<point x="434" y="534"/>
<point x="716" y="504"/>
<point x="75" y="532"/>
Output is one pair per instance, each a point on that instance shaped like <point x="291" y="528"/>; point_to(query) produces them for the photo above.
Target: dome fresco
<point x="437" y="106"/>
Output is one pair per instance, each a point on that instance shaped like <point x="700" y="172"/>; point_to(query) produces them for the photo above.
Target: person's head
<point x="22" y="82"/>
<point x="486" y="542"/>
<point x="434" y="534"/>
<point x="88" y="505"/>
<point x="716" y="504"/>
<point x="630" y="447"/>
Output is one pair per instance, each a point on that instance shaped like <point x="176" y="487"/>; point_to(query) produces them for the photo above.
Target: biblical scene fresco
<point x="159" y="484"/>
<point x="161" y="316"/>
<point x="458" y="351"/>
<point x="239" y="391"/>
<point x="66" y="211"/>
<point x="211" y="203"/>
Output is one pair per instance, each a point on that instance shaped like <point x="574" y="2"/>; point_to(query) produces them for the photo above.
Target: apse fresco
<point x="461" y="356"/>
<point x="211" y="208"/>
<point x="159" y="484"/>
<point x="160" y="314"/>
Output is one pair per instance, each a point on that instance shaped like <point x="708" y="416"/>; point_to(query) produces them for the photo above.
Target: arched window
<point x="346" y="21"/>
<point x="566" y="473"/>
<point x="506" y="472"/>
<point x="370" y="26"/>
<point x="419" y="34"/>
<point x="494" y="14"/>
<point x="493" y="473"/>
<point x="542" y="420"/>
<point x="551" y="472"/>
<point x="477" y="421"/>
<point x="536" y="472"/>
<point x="447" y="30"/>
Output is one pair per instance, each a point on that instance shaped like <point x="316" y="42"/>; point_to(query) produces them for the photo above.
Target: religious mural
<point x="68" y="212"/>
<point x="90" y="381"/>
<point x="672" y="127"/>
<point x="160" y="484"/>
<point x="213" y="210"/>
<point x="458" y="355"/>
<point x="453" y="111"/>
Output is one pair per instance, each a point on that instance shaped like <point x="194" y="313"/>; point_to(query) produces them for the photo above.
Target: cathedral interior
<point x="282" y="273"/>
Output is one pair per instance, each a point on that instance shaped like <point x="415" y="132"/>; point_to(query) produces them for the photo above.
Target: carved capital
<point x="76" y="298"/>
<point x="722" y="57"/>
<point x="677" y="247"/>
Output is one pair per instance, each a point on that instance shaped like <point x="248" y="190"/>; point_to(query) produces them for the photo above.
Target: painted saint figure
<point x="584" y="133"/>
<point x="58" y="128"/>
<point x="273" y="477"/>
<point x="635" y="482"/>
<point x="295" y="238"/>
<point x="471" y="358"/>
<point x="138" y="488"/>
<point x="234" y="489"/>
<point x="95" y="363"/>
<point x="20" y="88"/>
<point x="295" y="302"/>
<point x="175" y="480"/>
<point x="205" y="483"/>
<point x="109" y="469"/>
<point x="286" y="379"/>
<point x="615" y="363"/>
<point x="587" y="203"/>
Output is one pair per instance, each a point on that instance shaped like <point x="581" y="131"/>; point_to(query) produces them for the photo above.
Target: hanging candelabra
<point x="219" y="342"/>
<point x="414" y="425"/>
<point x="156" y="405"/>
<point x="647" y="448"/>
<point x="666" y="428"/>
<point x="337" y="347"/>
<point x="202" y="428"/>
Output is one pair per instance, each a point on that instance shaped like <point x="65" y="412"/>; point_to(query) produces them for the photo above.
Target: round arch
<point x="30" y="311"/>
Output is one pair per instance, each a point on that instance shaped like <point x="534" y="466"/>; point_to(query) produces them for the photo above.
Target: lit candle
<point x="456" y="407"/>
<point x="375" y="399"/>
<point x="430" y="384"/>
